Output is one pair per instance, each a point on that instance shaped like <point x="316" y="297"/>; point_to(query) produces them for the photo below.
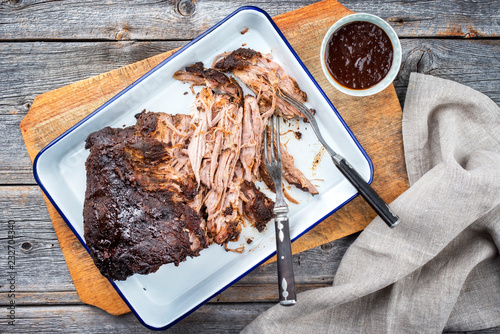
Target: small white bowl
<point x="396" y="61"/>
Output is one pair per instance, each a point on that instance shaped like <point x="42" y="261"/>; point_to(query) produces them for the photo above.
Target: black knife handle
<point x="286" y="280"/>
<point x="375" y="201"/>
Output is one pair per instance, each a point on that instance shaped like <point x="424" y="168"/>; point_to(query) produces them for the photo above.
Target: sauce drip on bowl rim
<point x="359" y="55"/>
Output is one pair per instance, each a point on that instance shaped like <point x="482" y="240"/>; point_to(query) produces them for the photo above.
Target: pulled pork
<point x="164" y="189"/>
<point x="264" y="77"/>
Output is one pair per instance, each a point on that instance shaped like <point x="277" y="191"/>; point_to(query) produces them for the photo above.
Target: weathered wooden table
<point x="49" y="44"/>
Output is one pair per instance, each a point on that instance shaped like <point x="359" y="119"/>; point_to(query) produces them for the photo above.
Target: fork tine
<point x="266" y="157"/>
<point x="272" y="138"/>
<point x="276" y="120"/>
<point x="302" y="108"/>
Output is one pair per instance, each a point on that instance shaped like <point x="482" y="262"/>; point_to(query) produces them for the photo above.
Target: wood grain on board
<point x="375" y="121"/>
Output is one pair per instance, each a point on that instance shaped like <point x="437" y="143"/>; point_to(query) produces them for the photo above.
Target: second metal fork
<point x="272" y="156"/>
<point x="366" y="191"/>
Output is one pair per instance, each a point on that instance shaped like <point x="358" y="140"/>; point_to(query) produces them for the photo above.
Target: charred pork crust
<point x="265" y="177"/>
<point x="196" y="69"/>
<point x="198" y="75"/>
<point x="238" y="59"/>
<point x="264" y="77"/>
<point x="258" y="207"/>
<point x="132" y="222"/>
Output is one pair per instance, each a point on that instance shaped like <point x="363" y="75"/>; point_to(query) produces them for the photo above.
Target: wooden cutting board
<point x="375" y="121"/>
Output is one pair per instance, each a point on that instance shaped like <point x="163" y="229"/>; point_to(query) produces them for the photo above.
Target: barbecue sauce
<point x="359" y="55"/>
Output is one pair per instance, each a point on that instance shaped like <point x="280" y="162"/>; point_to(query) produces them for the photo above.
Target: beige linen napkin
<point x="439" y="269"/>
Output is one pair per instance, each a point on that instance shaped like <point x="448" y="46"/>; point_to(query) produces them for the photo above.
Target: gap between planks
<point x="102" y="40"/>
<point x="247" y="293"/>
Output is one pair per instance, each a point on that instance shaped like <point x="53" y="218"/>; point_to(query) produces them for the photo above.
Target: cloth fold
<point x="439" y="269"/>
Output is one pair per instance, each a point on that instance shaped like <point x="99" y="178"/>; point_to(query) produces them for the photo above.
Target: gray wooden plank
<point x="24" y="205"/>
<point x="41" y="298"/>
<point x="41" y="269"/>
<point x="15" y="165"/>
<point x="162" y="20"/>
<point x="209" y="318"/>
<point x="30" y="69"/>
<point x="428" y="18"/>
<point x="121" y="20"/>
<point x="472" y="62"/>
<point x="39" y="264"/>
<point x="237" y="293"/>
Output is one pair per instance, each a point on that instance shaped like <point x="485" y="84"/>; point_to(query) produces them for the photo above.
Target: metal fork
<point x="286" y="281"/>
<point x="375" y="201"/>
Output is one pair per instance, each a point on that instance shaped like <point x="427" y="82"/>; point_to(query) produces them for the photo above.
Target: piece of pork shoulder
<point x="158" y="151"/>
<point x="251" y="136"/>
<point x="264" y="77"/>
<point x="200" y="122"/>
<point x="291" y="173"/>
<point x="198" y="75"/>
<point x="257" y="207"/>
<point x="215" y="147"/>
<point x="173" y="130"/>
<point x="216" y="136"/>
<point x="176" y="174"/>
<point x="242" y="200"/>
<point x="225" y="224"/>
<point x="133" y="198"/>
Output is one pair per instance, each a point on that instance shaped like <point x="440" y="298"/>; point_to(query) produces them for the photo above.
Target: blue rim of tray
<point x="147" y="74"/>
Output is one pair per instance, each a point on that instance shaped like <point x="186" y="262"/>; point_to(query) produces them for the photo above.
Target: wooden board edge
<point x="85" y="275"/>
<point x="31" y="116"/>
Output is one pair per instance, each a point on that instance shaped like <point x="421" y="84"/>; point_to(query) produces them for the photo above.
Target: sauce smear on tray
<point x="359" y="55"/>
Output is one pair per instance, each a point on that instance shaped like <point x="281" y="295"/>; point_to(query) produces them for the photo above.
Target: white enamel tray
<point x="161" y="299"/>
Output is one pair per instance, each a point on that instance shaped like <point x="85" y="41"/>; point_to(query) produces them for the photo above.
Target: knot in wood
<point x="327" y="246"/>
<point x="122" y="35"/>
<point x="26" y="246"/>
<point x="186" y="7"/>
